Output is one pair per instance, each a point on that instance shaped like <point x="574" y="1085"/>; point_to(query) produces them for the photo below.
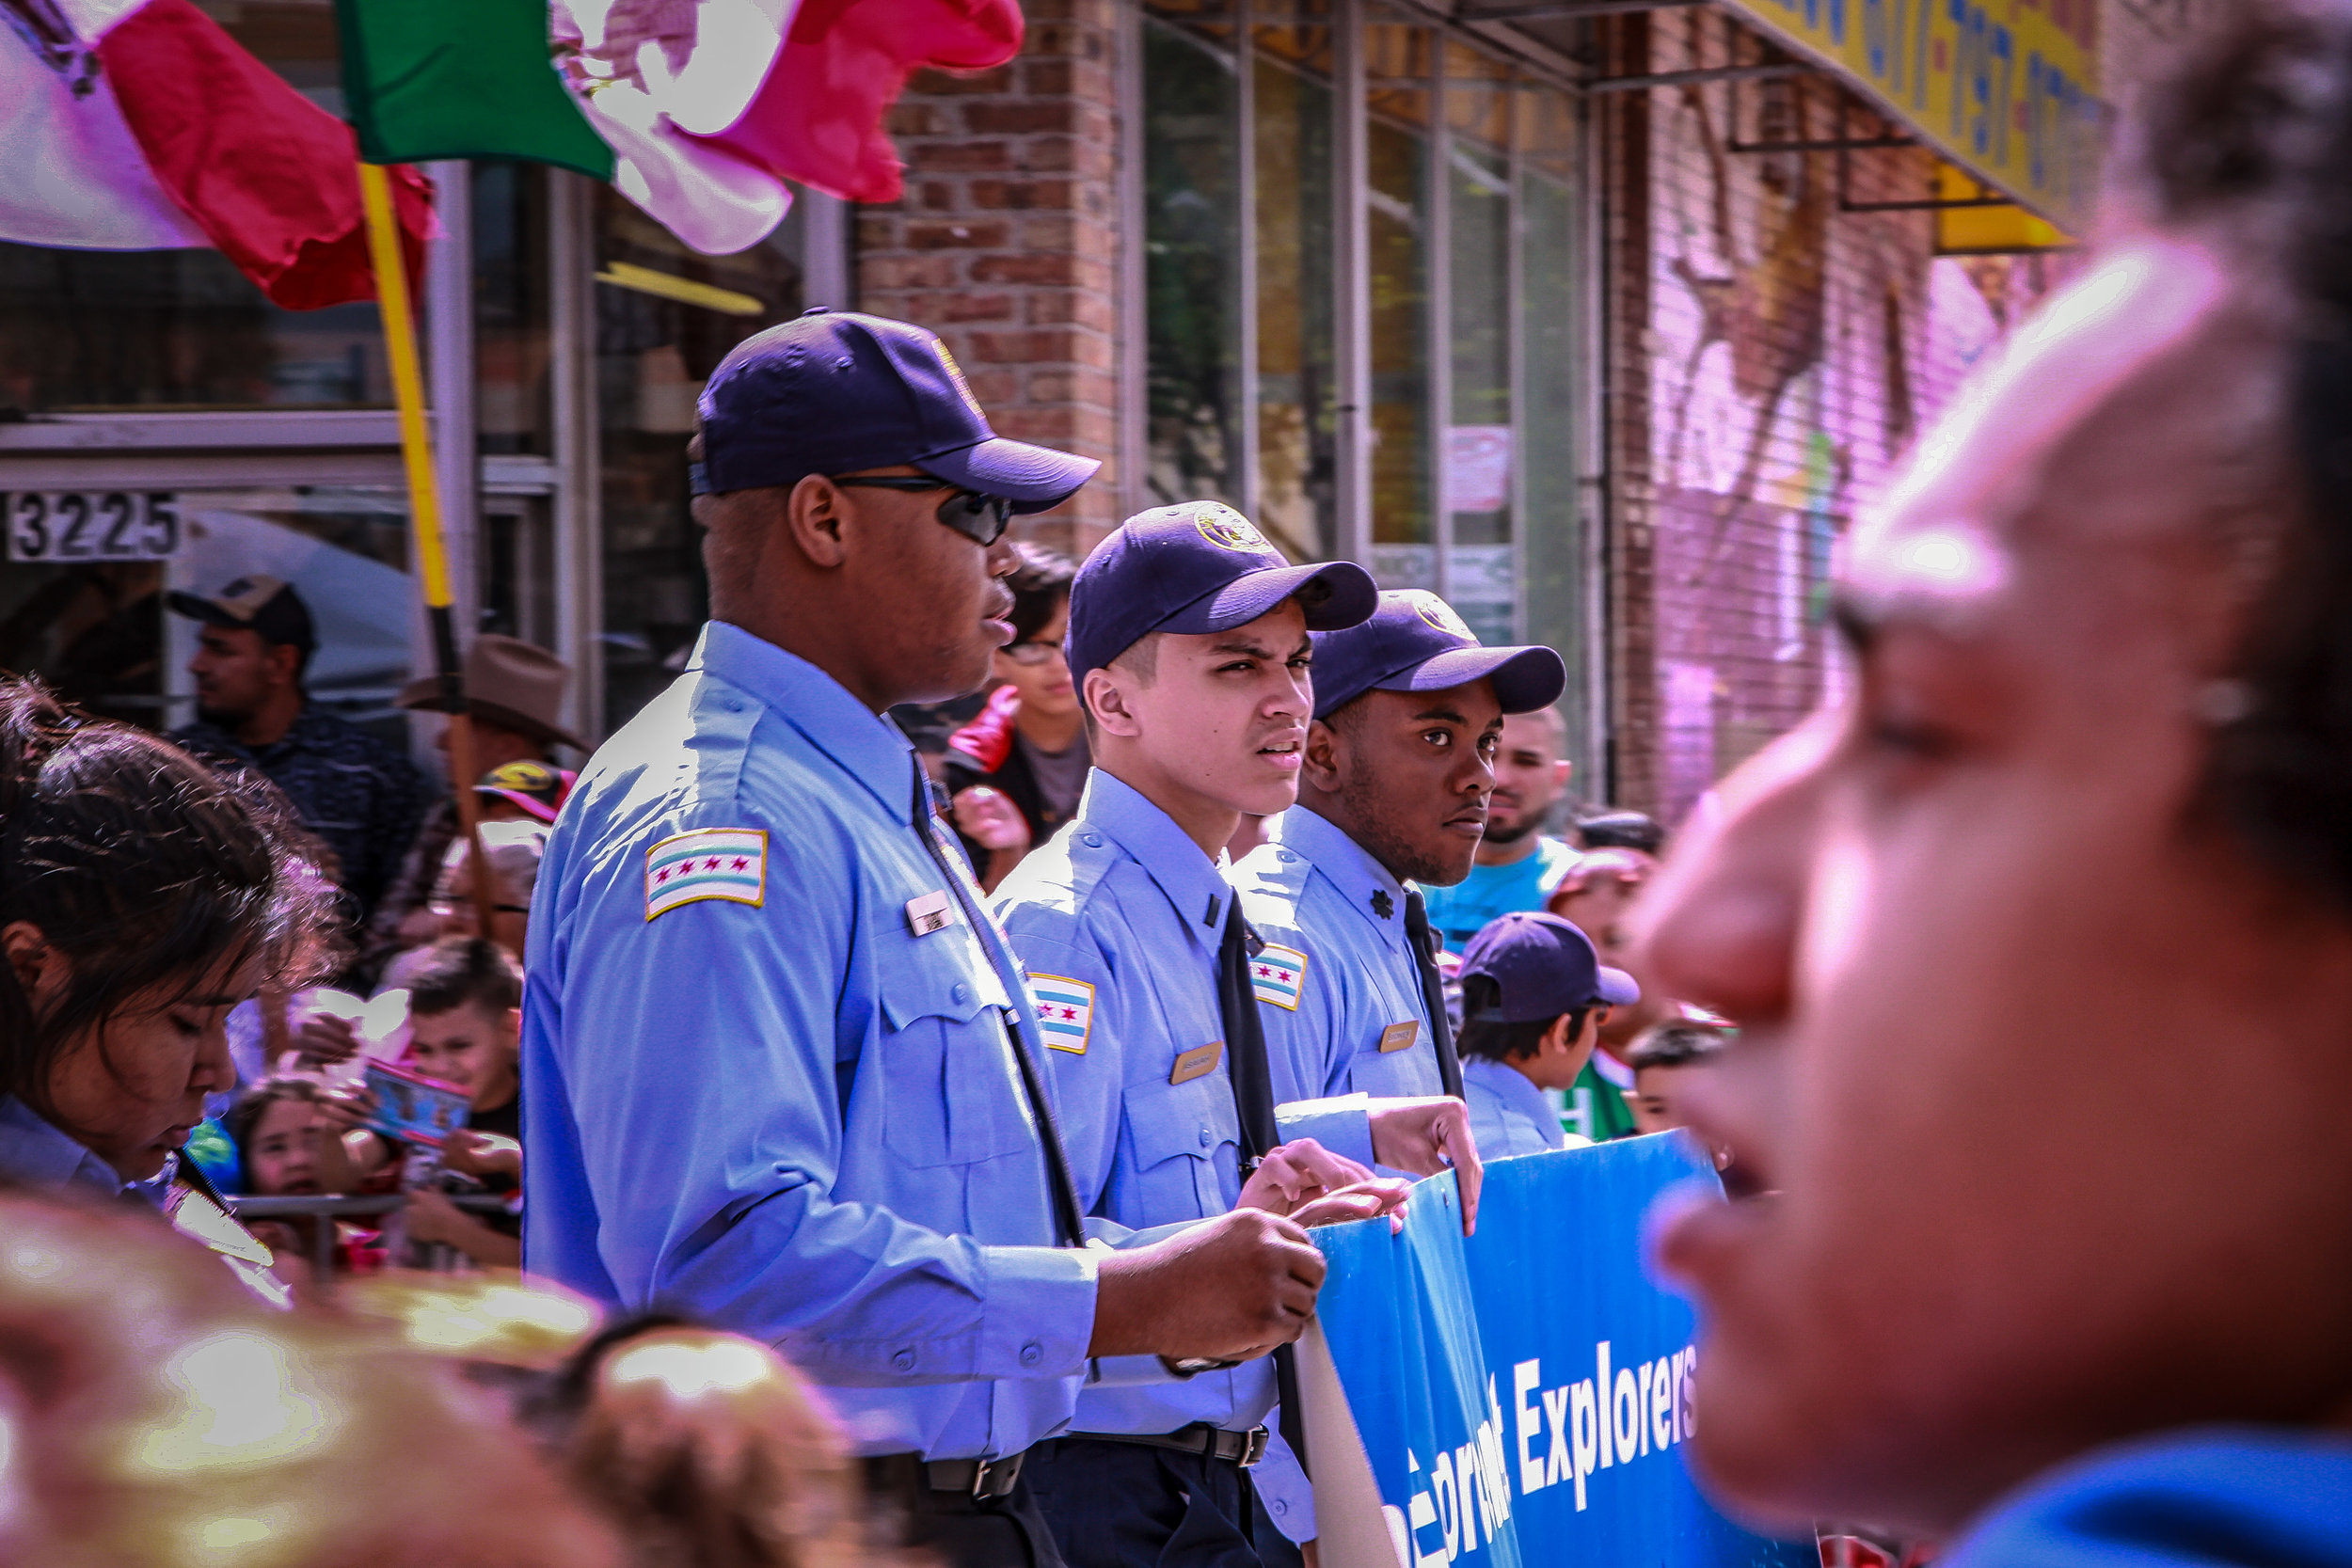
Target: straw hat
<point x="515" y="685"/>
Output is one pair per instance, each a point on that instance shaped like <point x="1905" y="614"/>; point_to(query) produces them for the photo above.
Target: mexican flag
<point x="141" y="125"/>
<point x="699" y="111"/>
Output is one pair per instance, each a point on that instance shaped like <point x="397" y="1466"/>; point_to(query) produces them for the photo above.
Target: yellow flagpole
<point x="424" y="507"/>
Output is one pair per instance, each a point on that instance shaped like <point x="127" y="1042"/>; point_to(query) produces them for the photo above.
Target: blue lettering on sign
<point x="1875" y="43"/>
<point x="1837" y="22"/>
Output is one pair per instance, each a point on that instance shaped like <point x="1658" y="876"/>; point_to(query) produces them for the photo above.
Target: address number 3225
<point x="91" y="525"/>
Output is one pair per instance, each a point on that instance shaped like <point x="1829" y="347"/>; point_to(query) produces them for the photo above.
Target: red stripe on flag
<point x="270" y="176"/>
<point x="818" y="117"/>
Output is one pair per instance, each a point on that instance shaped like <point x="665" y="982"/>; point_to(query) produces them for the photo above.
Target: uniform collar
<point x="1517" y="1091"/>
<point x="34" y="1153"/>
<point x="1363" y="883"/>
<point x="1195" y="885"/>
<point x="863" y="744"/>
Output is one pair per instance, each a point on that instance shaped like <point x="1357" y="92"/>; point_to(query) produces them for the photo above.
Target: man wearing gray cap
<point x="781" y="1070"/>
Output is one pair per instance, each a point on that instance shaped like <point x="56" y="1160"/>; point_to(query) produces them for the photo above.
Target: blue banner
<point x="1523" y="1395"/>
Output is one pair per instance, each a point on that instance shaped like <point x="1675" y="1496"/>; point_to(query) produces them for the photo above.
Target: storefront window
<point x="665" y="317"/>
<point x="90" y="330"/>
<point x="1396" y="93"/>
<point x="1193" y="259"/>
<point x="1297" y="491"/>
<point x="513" y="409"/>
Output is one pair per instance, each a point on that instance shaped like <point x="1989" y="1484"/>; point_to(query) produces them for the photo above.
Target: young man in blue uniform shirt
<point x="782" y="1072"/>
<point x="1188" y="639"/>
<point x="1408" y="706"/>
<point x="1534" y="995"/>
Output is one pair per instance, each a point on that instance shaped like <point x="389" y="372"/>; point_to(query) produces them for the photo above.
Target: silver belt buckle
<point x="996" y="1477"/>
<point x="1256" y="1449"/>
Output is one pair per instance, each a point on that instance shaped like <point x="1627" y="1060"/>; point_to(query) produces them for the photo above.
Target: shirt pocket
<point x="952" y="1093"/>
<point x="1186" y="1136"/>
<point x="1408" y="1073"/>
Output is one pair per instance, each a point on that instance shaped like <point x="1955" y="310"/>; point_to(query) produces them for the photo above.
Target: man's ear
<point x="817" y="520"/>
<point x="1560" y="774"/>
<point x="285" y="662"/>
<point x="1107" y="699"/>
<point x="1326" y="756"/>
<point x="511" y="1026"/>
<point x="1557" y="1037"/>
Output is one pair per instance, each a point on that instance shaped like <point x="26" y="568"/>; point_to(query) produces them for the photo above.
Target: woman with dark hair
<point x="1016" y="771"/>
<point x="142" y="897"/>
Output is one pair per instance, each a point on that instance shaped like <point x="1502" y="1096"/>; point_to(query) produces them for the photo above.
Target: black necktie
<point x="1066" y="1212"/>
<point x="1253" y="1106"/>
<point x="1245" y="1038"/>
<point x="1432" y="991"/>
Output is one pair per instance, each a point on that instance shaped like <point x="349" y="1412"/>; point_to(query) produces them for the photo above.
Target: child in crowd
<point x="464" y="1021"/>
<point x="1534" y="998"/>
<point x="1663" y="1060"/>
<point x="287" y="1146"/>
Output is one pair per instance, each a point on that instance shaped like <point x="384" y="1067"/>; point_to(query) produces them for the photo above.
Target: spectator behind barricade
<point x="1622" y="829"/>
<point x="1534" y="998"/>
<point x="515" y="848"/>
<point x="160" y="1418"/>
<point x="464" y="1020"/>
<point x="359" y="795"/>
<point x="1517" y="864"/>
<point x="1664" y="1061"/>
<point x="514" y="695"/>
<point x="1597" y="897"/>
<point x="288" y="1146"/>
<point x="142" y="897"/>
<point x="1016" y="771"/>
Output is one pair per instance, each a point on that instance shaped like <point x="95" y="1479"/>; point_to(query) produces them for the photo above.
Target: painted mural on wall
<point x="1797" y="350"/>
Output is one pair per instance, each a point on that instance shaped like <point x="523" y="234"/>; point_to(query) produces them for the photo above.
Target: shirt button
<point x="1092" y="840"/>
<point x="1204" y="1137"/>
<point x="1284" y="856"/>
<point x="1279" y="1506"/>
<point x="1031" y="1355"/>
<point x="904" y="1361"/>
<point x="962" y="992"/>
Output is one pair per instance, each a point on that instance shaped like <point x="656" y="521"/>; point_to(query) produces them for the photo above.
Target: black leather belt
<point x="983" y="1480"/>
<point x="1240" y="1448"/>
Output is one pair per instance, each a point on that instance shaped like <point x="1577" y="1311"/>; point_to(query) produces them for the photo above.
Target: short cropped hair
<point x="1503" y="1042"/>
<point x="462" y="970"/>
<point x="1676" y="1044"/>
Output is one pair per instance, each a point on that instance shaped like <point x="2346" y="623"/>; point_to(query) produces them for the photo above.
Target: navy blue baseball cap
<point x="1197" y="567"/>
<point x="1544" y="967"/>
<point x="837" y="392"/>
<point x="1415" y="643"/>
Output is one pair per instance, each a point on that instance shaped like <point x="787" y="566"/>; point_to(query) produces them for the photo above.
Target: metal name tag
<point x="1400" y="1036"/>
<point x="933" y="911"/>
<point x="1197" y="1063"/>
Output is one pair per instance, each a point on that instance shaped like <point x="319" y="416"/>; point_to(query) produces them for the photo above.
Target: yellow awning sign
<point x="2006" y="230"/>
<point x="2006" y="89"/>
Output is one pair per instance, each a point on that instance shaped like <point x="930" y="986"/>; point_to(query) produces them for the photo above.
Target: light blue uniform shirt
<point x="1358" y="1022"/>
<point x="1508" y="1114"/>
<point x="1119" y="921"/>
<point x="34" y="1154"/>
<point x="794" y="1117"/>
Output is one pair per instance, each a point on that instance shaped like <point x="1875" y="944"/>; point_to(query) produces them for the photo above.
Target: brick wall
<point x="1007" y="241"/>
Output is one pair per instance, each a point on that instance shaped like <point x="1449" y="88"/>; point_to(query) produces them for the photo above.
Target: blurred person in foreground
<point x="2082" y="816"/>
<point x="1534" y="996"/>
<point x="177" y="1423"/>
<point x="1016" y="772"/>
<point x="253" y="711"/>
<point x="1666" y="1060"/>
<point x="1518" y="865"/>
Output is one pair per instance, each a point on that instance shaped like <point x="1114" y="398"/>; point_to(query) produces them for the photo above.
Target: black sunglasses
<point x="979" y="518"/>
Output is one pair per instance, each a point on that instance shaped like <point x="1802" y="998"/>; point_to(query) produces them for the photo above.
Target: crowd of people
<point x="915" y="1148"/>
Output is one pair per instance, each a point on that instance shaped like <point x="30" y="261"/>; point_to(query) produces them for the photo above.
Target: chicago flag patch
<point x="710" y="862"/>
<point x="1279" y="974"/>
<point x="1065" y="1011"/>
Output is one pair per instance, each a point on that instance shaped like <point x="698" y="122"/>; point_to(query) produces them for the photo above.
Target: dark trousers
<point x="960" y="1531"/>
<point x="1123" y="1505"/>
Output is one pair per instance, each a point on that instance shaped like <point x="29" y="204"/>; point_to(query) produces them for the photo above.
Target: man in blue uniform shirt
<point x="1188" y="639"/>
<point x="1534" y="995"/>
<point x="1408" y="707"/>
<point x="782" y="1073"/>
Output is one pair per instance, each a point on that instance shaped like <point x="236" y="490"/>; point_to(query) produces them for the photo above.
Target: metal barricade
<point x="330" y="1206"/>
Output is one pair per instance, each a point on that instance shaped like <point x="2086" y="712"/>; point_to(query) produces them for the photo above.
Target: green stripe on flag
<point x="426" y="79"/>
